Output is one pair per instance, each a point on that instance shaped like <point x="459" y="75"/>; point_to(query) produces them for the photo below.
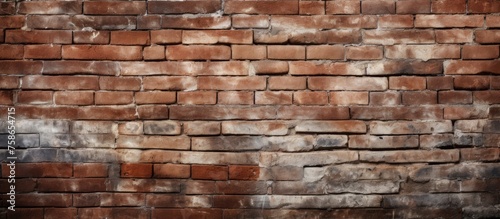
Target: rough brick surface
<point x="222" y="109"/>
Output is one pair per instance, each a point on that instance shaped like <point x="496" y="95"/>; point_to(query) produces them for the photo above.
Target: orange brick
<point x="395" y="21"/>
<point x="448" y="6"/>
<point x="286" y="52"/>
<point x="325" y="52"/>
<point x="42" y="52"/>
<point x="35" y="97"/>
<point x="364" y="53"/>
<point x="177" y="171"/>
<point x="311" y="7"/>
<point x="197" y="97"/>
<point x="115" y="8"/>
<point x="251" y="52"/>
<point x="130" y="37"/>
<point x="480" y="52"/>
<point x="407" y="83"/>
<point x="166" y="36"/>
<point x="287" y="83"/>
<point x="209" y="172"/>
<point x="155" y="97"/>
<point x="273" y="97"/>
<point x="310" y="98"/>
<point x="198" y="52"/>
<point x="244" y="172"/>
<point x="119" y="83"/>
<point x="154" y="53"/>
<point x="136" y="170"/>
<point x="454" y="36"/>
<point x="74" y="98"/>
<point x="105" y="52"/>
<point x="343" y="7"/>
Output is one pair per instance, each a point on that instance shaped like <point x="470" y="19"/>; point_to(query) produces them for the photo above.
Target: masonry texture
<point x="221" y="109"/>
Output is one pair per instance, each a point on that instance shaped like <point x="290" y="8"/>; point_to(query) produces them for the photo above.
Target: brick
<point x="283" y="173"/>
<point x="311" y="7"/>
<point x="120" y="83"/>
<point x="44" y="200"/>
<point x="113" y="98"/>
<point x="198" y="22"/>
<point x="169" y="83"/>
<point x="405" y="67"/>
<point x="38" y="170"/>
<point x="74" y="98"/>
<point x="413" y="6"/>
<point x="348" y="98"/>
<point x="88" y="213"/>
<point x="240" y="172"/>
<point x="192" y="213"/>
<point x="103" y="22"/>
<point x="323" y="22"/>
<point x="286" y="52"/>
<point x="415" y="156"/>
<point x="21" y="67"/>
<point x="471" y="82"/>
<point x="130" y="37"/>
<point x="9" y="82"/>
<point x="342" y="7"/>
<point x="270" y="67"/>
<point x="364" y="53"/>
<point x="69" y="7"/>
<point x="436" y="141"/>
<point x="217" y="37"/>
<point x="312" y="112"/>
<point x="42" y="52"/>
<point x="287" y="83"/>
<point x="155" y="97"/>
<point x="480" y="52"/>
<point x="49" y="22"/>
<point x="166" y="36"/>
<point x="91" y="37"/>
<point x="250" y="21"/>
<point x="261" y="7"/>
<point x="198" y="52"/>
<point x="197" y="97"/>
<point x="254" y="128"/>
<point x="395" y="21"/>
<point x="147" y="142"/>
<point x="35" y="97"/>
<point x="385" y="98"/>
<point x="136" y="170"/>
<point x="152" y="112"/>
<point x="176" y="201"/>
<point x="483" y="6"/>
<point x="231" y="83"/>
<point x="273" y="97"/>
<point x="235" y="97"/>
<point x="107" y="113"/>
<point x="162" y="128"/>
<point x="184" y="7"/>
<point x="397" y="112"/>
<point x="454" y="36"/>
<point x="391" y="37"/>
<point x="448" y="6"/>
<point x="378" y="7"/>
<point x="8" y="8"/>
<point x="178" y="171"/>
<point x="80" y="67"/>
<point x="87" y="170"/>
<point x="60" y="82"/>
<point x="486" y="97"/>
<point x="144" y="185"/>
<point x="38" y="36"/>
<point x="407" y="83"/>
<point x="245" y="143"/>
<point x="310" y="98"/>
<point x="6" y="97"/>
<point x="325" y="52"/>
<point x="130" y="128"/>
<point x="105" y="52"/>
<point x="471" y="67"/>
<point x="401" y="127"/>
<point x="209" y="172"/>
<point x="12" y="52"/>
<point x="201" y="128"/>
<point x="241" y="187"/>
<point x="54" y="213"/>
<point x="154" y="53"/>
<point x="114" y="8"/>
<point x="382" y="142"/>
<point x="442" y="21"/>
<point x="71" y="185"/>
<point x="221" y="113"/>
<point x="465" y="112"/>
<point x="492" y="21"/>
<point x="251" y="52"/>
<point x="480" y="154"/>
<point x="87" y="127"/>
<point x="419" y="98"/>
<point x="423" y="52"/>
<point x="347" y="83"/>
<point x="440" y="83"/>
<point x="455" y="97"/>
<point x="331" y="126"/>
<point x="149" y="22"/>
<point x="326" y="68"/>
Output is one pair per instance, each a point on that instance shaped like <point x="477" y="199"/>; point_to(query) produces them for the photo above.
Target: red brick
<point x="9" y="82"/>
<point x="49" y="22"/>
<point x="183" y="7"/>
<point x="311" y="7"/>
<point x="103" y="22"/>
<point x="479" y="154"/>
<point x="50" y="7"/>
<point x="343" y="7"/>
<point x="440" y="83"/>
<point x="286" y="52"/>
<point x="413" y="6"/>
<point x="130" y="37"/>
<point x="80" y="67"/>
<point x="244" y="172"/>
<point x="55" y="213"/>
<point x="135" y="170"/>
<point x="440" y="21"/>
<point x="396" y="36"/>
<point x="395" y="21"/>
<point x="188" y="213"/>
<point x="169" y="83"/>
<point x="178" y="171"/>
<point x="448" y="6"/>
<point x="197" y="97"/>
<point x="483" y="6"/>
<point x="87" y="170"/>
<point x="261" y="7"/>
<point x="24" y="213"/>
<point x="495" y="82"/>
<point x="198" y="22"/>
<point x="270" y="67"/>
<point x="465" y="112"/>
<point x="221" y="112"/>
<point x="107" y="113"/>
<point x="348" y="98"/>
<point x="492" y="21"/>
<point x="113" y="98"/>
<point x="471" y="67"/>
<point x="155" y="97"/>
<point x="471" y="82"/>
<point x="166" y="36"/>
<point x="153" y="112"/>
<point x="455" y="97"/>
<point x="287" y="83"/>
<point x="154" y="53"/>
<point x="35" y="97"/>
<point x="149" y="22"/>
<point x="38" y="170"/>
<point x="487" y="97"/>
<point x="20" y="67"/>
<point x="89" y="213"/>
<point x="38" y="36"/>
<point x="407" y="83"/>
<point x="60" y="82"/>
<point x="405" y="67"/>
<point x="324" y="22"/>
<point x="209" y="172"/>
<point x="46" y="112"/>
<point x="91" y="37"/>
<point x="42" y="52"/>
<point x="378" y="7"/>
<point x="115" y="8"/>
<point x="423" y="52"/>
<point x="120" y="83"/>
<point x="479" y="52"/>
<point x="310" y="98"/>
<point x="385" y="98"/>
<point x="273" y="97"/>
<point x="235" y="97"/>
<point x="250" y="21"/>
<point x="231" y="83"/>
<point x="347" y="83"/>
<point x="217" y="37"/>
<point x="71" y="185"/>
<point x="202" y="128"/>
<point x="325" y="68"/>
<point x="251" y="52"/>
<point x="74" y="98"/>
<point x="364" y="53"/>
<point x="6" y="97"/>
<point x="419" y="97"/>
<point x="313" y="112"/>
<point x="198" y="52"/>
<point x="325" y="52"/>
<point x="11" y="51"/>
<point x="104" y="52"/>
<point x="454" y="36"/>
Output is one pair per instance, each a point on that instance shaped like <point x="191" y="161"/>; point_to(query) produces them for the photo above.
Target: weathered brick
<point x="413" y="6"/>
<point x="169" y="83"/>
<point x="342" y="7"/>
<point x="251" y="52"/>
<point x="486" y="36"/>
<point x="184" y="7"/>
<point x="415" y="156"/>
<point x="314" y="158"/>
<point x="197" y="97"/>
<point x="91" y="37"/>
<point x="35" y="97"/>
<point x="114" y="8"/>
<point x="54" y="213"/>
<point x="387" y="128"/>
<point x="113" y="98"/>
<point x="74" y="97"/>
<point x="166" y="36"/>
<point x="209" y="172"/>
<point x="233" y="83"/>
<point x="364" y="53"/>
<point x="397" y="113"/>
<point x="217" y="37"/>
<point x="11" y="52"/>
<point x="38" y="36"/>
<point x="347" y="83"/>
<point x="254" y="128"/>
<point x="241" y="172"/>
<point x="383" y="142"/>
<point x="235" y="97"/>
<point x="136" y="170"/>
<point x="436" y="141"/>
<point x="479" y="154"/>
<point x="43" y="7"/>
<point x="423" y="52"/>
<point x="471" y="82"/>
<point x="221" y="113"/>
<point x="312" y="112"/>
<point x="385" y="98"/>
<point x="325" y="52"/>
<point x="405" y="67"/>
<point x="261" y="7"/>
<point x="105" y="52"/>
<point x="196" y="22"/>
<point x="391" y="37"/>
<point x="349" y="126"/>
<point x="60" y="82"/>
<point x="38" y="170"/>
<point x="6" y="97"/>
<point x="178" y="171"/>
<point x="273" y="97"/>
<point x="201" y="128"/>
<point x="419" y="97"/>
<point x="250" y="21"/>
<point x="486" y="97"/>
<point x="80" y="67"/>
<point x="192" y="213"/>
<point x="448" y="6"/>
<point x="149" y="22"/>
<point x="130" y="37"/>
<point x="465" y="112"/>
<point x="90" y="170"/>
<point x="242" y="143"/>
<point x="395" y="21"/>
<point x="88" y="213"/>
<point x="286" y="52"/>
<point x="323" y="22"/>
<point x="162" y="128"/>
<point x="287" y="83"/>
<point x="310" y="98"/>
<point x="480" y="52"/>
<point x="440" y="83"/>
<point x="103" y="22"/>
<point x="154" y="53"/>
<point x="483" y="6"/>
<point x="270" y="67"/>
<point x="407" y="83"/>
<point x="311" y="7"/>
<point x="130" y="128"/>
<point x="492" y="21"/>
<point x="454" y="36"/>
<point x="455" y="97"/>
<point x="71" y="185"/>
<point x="161" y="142"/>
<point x="378" y="7"/>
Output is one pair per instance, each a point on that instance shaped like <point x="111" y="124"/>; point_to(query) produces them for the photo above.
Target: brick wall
<point x="252" y="109"/>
